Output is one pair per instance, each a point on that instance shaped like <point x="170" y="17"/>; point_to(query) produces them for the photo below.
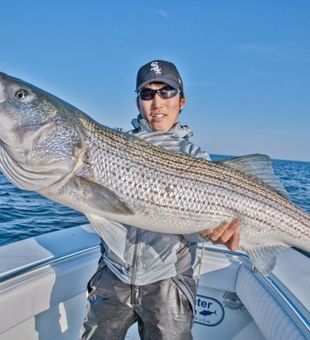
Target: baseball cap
<point x="159" y="71"/>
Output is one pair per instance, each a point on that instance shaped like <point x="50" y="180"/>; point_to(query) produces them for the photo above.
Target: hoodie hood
<point x="141" y="125"/>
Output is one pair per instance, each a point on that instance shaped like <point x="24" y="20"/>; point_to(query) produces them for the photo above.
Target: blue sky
<point x="245" y="64"/>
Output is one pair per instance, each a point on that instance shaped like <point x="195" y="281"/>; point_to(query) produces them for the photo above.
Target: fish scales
<point x="147" y="153"/>
<point x="149" y="157"/>
<point x="183" y="166"/>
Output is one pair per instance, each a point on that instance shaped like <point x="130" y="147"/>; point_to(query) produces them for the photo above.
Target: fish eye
<point x="21" y="94"/>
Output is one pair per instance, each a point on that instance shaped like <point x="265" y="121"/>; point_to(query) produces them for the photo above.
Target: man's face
<point x="161" y="114"/>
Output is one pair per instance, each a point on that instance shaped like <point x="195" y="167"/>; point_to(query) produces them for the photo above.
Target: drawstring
<point x="200" y="265"/>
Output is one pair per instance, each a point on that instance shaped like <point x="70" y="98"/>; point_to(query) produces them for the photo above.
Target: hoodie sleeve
<point x="194" y="150"/>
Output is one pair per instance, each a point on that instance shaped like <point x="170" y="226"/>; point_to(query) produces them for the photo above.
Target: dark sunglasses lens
<point x="147" y="94"/>
<point x="168" y="92"/>
<point x="165" y="93"/>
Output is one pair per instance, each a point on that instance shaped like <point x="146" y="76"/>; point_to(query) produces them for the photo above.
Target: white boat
<point x="43" y="291"/>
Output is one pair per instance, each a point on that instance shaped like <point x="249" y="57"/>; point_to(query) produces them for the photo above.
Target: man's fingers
<point x="233" y="243"/>
<point x="206" y="232"/>
<point x="225" y="231"/>
<point x="218" y="231"/>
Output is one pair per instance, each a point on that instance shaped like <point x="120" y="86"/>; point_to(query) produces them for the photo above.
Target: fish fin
<point x="260" y="167"/>
<point x="169" y="141"/>
<point x="103" y="199"/>
<point x="113" y="233"/>
<point x="264" y="257"/>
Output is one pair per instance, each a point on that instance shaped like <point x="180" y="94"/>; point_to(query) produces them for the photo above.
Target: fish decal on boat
<point x="207" y="312"/>
<point x="51" y="147"/>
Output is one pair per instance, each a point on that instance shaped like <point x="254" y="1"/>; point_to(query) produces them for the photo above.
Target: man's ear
<point x="138" y="103"/>
<point x="182" y="102"/>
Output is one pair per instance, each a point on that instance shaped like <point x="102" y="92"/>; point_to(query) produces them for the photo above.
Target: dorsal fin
<point x="260" y="167"/>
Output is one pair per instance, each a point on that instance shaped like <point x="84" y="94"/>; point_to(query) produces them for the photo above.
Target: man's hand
<point x="226" y="233"/>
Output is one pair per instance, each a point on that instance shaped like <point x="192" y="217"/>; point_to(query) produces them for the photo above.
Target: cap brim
<point x="160" y="80"/>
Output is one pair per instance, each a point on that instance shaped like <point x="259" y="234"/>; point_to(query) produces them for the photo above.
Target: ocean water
<point x="25" y="214"/>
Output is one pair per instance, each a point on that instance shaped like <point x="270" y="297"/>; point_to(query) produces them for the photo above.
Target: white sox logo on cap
<point x="155" y="67"/>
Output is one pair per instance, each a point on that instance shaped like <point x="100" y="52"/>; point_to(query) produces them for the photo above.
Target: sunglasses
<point x="164" y="93"/>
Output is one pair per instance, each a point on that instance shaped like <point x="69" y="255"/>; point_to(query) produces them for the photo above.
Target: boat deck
<point x="43" y="291"/>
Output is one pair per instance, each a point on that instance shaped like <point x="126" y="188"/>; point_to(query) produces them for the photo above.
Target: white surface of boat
<point x="43" y="291"/>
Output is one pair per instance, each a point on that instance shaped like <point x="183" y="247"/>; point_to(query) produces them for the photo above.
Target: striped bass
<point x="51" y="147"/>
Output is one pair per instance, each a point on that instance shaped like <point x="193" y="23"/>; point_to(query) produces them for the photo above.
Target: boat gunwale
<point x="40" y="264"/>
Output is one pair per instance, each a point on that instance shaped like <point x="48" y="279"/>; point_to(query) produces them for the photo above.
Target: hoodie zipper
<point x="134" y="288"/>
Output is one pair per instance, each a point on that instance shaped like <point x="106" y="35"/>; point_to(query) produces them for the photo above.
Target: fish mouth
<point x="5" y="82"/>
<point x="2" y="93"/>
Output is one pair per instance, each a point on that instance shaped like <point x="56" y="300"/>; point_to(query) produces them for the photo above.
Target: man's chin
<point x="160" y="126"/>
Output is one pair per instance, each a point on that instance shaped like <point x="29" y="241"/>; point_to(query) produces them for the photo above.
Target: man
<point x="153" y="283"/>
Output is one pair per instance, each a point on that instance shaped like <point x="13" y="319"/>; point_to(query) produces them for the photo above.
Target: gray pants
<point x="161" y="309"/>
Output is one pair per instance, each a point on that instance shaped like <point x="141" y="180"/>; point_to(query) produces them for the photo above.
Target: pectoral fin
<point x="102" y="198"/>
